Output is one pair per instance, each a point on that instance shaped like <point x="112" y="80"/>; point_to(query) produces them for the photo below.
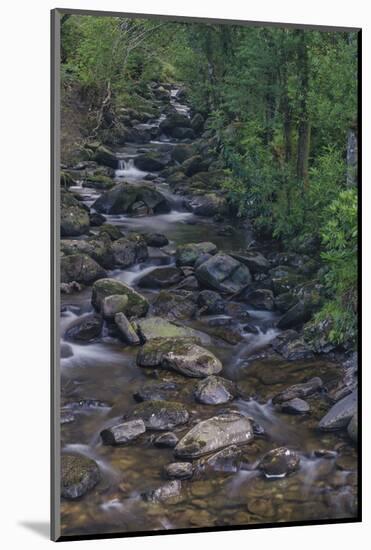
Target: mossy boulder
<point x="215" y="434"/>
<point x="79" y="475"/>
<point x="99" y="250"/>
<point x="80" y="268"/>
<point x="188" y="254"/>
<point x="74" y="217"/>
<point x="161" y="277"/>
<point x="124" y="198"/>
<point x="137" y="305"/>
<point x="180" y="153"/>
<point x="66" y="180"/>
<point x="104" y="155"/>
<point x="156" y="327"/>
<point x="209" y="204"/>
<point x="161" y="415"/>
<point x="193" y="165"/>
<point x="111" y="231"/>
<point x="175" y="305"/>
<point x="153" y="351"/>
<point x="99" y="182"/>
<point x="215" y="390"/>
<point x="150" y="162"/>
<point x="191" y="360"/>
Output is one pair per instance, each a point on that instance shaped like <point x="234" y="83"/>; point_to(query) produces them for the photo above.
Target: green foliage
<point x="339" y="236"/>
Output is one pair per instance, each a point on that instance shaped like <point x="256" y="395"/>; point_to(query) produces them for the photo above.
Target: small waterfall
<point x="126" y="169"/>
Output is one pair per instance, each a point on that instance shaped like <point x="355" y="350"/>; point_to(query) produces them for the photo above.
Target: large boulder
<point x="114" y="304"/>
<point x="80" y="268"/>
<point x="255" y="261"/>
<point x="295" y="316"/>
<point x="85" y="329"/>
<point x="98" y="249"/>
<point x="193" y="165"/>
<point x="175" y="305"/>
<point x="180" y="153"/>
<point x="124" y="198"/>
<point x="261" y="298"/>
<point x="79" y="475"/>
<point x="126" y="329"/>
<point x="156" y="327"/>
<point x="209" y="204"/>
<point x="188" y="254"/>
<point x="105" y="156"/>
<point x="210" y="302"/>
<point x="127" y="252"/>
<point x="340" y="414"/>
<point x="150" y="162"/>
<point x="192" y="360"/>
<point x="156" y="240"/>
<point x="153" y="351"/>
<point x="214" y="434"/>
<point x="215" y="390"/>
<point x="174" y="121"/>
<point x="74" y="217"/>
<point x="223" y="273"/>
<point x="161" y="277"/>
<point x="137" y="305"/>
<point x="161" y="415"/>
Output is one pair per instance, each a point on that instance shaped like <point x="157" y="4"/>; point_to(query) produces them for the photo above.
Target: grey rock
<point x="340" y="414"/>
<point x="78" y="476"/>
<point x="279" y="462"/>
<point x="84" y="329"/>
<point x="215" y="434"/>
<point x="166" y="492"/>
<point x="179" y="470"/>
<point x="223" y="273"/>
<point x="295" y="406"/>
<point x="126" y="329"/>
<point x="299" y="390"/>
<point x="215" y="390"/>
<point x="123" y="433"/>
<point x="192" y="360"/>
<point x="167" y="439"/>
<point x="161" y="415"/>
<point x="114" y="304"/>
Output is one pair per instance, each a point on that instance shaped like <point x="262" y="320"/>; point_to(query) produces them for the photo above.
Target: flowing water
<point x="106" y="371"/>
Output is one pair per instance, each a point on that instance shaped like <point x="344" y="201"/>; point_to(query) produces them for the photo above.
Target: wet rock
<point x="99" y="182"/>
<point x="125" y="252"/>
<point x="214" y="434"/>
<point x="175" y="305"/>
<point x="188" y="283"/>
<point x="295" y="406"/>
<point x="283" y="283"/>
<point x="183" y="133"/>
<point x="126" y="329"/>
<point x="251" y="329"/>
<point x="260" y="299"/>
<point x="349" y="379"/>
<point x="201" y="259"/>
<point x="156" y="391"/>
<point x="161" y="277"/>
<point x="166" y="440"/>
<point x="123" y="433"/>
<point x="279" y="462"/>
<point x="211" y="302"/>
<point x="98" y="249"/>
<point x="353" y="428"/>
<point x="194" y="165"/>
<point x="156" y="240"/>
<point x="80" y="268"/>
<point x="179" y="470"/>
<point x="346" y="462"/>
<point x="191" y="360"/>
<point x="255" y="261"/>
<point x="150" y="162"/>
<point x="78" y="475"/>
<point x="161" y="415"/>
<point x="105" y="156"/>
<point x="112" y="232"/>
<point x="167" y="492"/>
<point x="113" y="304"/>
<point x="215" y="390"/>
<point x="223" y="273"/>
<point x="226" y="460"/>
<point x="153" y="351"/>
<point x="137" y="305"/>
<point x="172" y="121"/>
<point x="291" y="346"/>
<point x="295" y="316"/>
<point x="325" y="453"/>
<point x="340" y="414"/>
<point x="122" y="197"/>
<point x="66" y="351"/>
<point x="285" y="301"/>
<point x="209" y="205"/>
<point x="156" y="327"/>
<point x="188" y="254"/>
<point x="299" y="390"/>
<point x="84" y="329"/>
<point x="180" y="153"/>
<point x="74" y="218"/>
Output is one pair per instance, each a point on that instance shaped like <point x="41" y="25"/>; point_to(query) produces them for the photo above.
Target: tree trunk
<point x="352" y="160"/>
<point x="304" y="127"/>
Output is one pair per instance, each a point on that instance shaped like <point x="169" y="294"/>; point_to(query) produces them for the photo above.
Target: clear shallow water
<point x="106" y="370"/>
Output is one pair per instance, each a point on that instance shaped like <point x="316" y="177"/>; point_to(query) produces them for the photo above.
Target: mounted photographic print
<point x="205" y="179"/>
